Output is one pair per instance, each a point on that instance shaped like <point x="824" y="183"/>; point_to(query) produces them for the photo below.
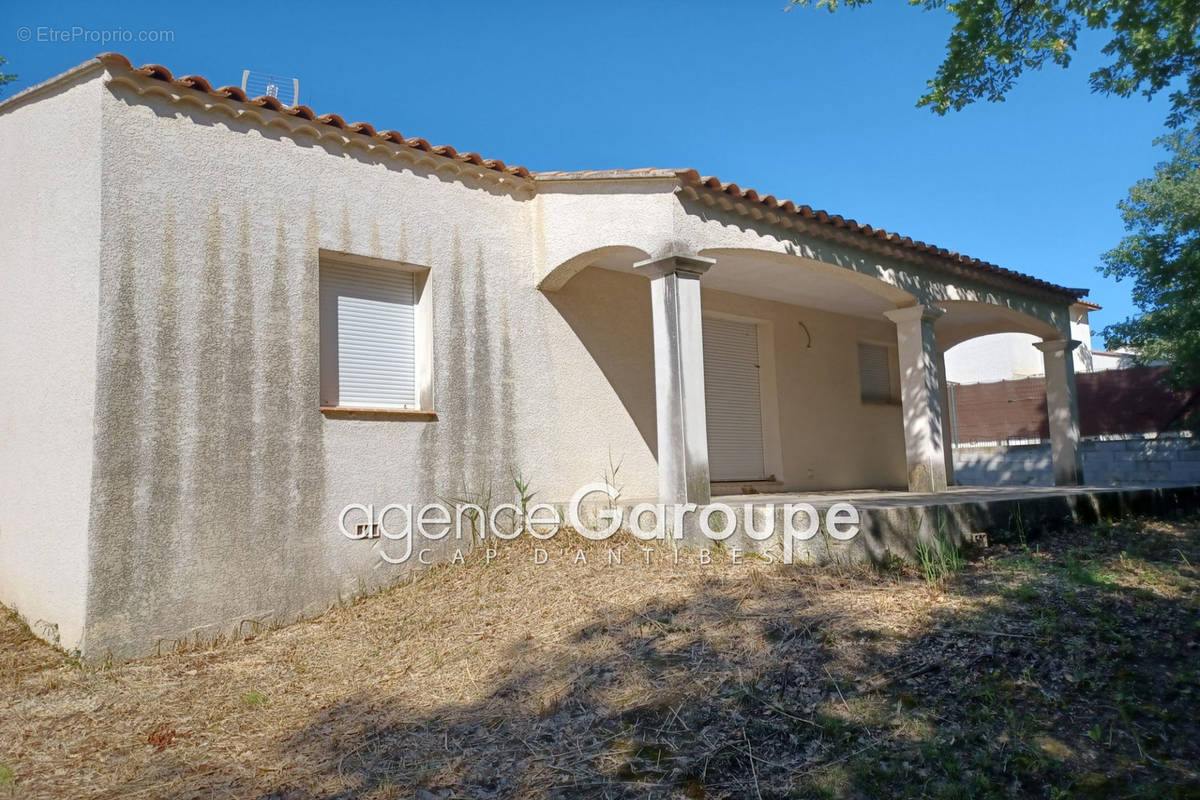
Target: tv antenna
<point x="257" y="84"/>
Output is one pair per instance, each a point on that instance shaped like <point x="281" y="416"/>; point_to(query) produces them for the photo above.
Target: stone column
<point x="1062" y="407"/>
<point x="679" y="377"/>
<point x="921" y="396"/>
<point x="947" y="417"/>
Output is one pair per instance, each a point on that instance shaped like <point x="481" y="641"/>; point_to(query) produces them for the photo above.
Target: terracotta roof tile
<point x="693" y="178"/>
<point x="119" y="63"/>
<point x="232" y="92"/>
<point x="195" y="82"/>
<point x="690" y="177"/>
<point x="304" y="112"/>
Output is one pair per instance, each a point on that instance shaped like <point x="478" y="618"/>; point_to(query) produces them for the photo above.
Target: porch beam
<point x="1062" y="408"/>
<point x="683" y="475"/>
<point x="921" y="379"/>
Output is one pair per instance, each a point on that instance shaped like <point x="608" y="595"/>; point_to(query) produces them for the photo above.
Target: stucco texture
<point x="50" y="227"/>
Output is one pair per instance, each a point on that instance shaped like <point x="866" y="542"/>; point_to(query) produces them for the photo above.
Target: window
<point x="875" y="373"/>
<point x="371" y="336"/>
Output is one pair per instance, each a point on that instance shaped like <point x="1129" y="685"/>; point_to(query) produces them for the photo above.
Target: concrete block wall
<point x="1165" y="458"/>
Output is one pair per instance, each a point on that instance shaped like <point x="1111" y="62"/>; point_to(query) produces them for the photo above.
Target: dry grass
<point x="512" y="680"/>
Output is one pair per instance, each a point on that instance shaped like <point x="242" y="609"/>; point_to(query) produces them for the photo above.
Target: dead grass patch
<point x="1031" y="672"/>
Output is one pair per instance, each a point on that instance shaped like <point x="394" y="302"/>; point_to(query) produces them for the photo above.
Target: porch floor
<point x="893" y="522"/>
<point x="885" y="498"/>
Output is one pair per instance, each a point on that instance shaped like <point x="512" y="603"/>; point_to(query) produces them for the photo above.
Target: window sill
<point x="353" y="412"/>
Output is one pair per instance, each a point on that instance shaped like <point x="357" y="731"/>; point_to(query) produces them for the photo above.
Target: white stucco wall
<point x="1081" y="331"/>
<point x="50" y="230"/>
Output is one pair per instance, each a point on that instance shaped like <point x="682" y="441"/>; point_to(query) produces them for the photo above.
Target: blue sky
<point x="809" y="106"/>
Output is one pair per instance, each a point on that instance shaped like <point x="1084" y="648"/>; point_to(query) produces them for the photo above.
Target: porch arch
<point x="965" y="321"/>
<point x="970" y="319"/>
<point x="615" y="256"/>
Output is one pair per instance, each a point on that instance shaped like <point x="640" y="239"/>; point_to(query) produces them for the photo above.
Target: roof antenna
<point x="256" y="84"/>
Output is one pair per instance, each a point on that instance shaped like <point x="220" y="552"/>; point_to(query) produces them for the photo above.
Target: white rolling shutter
<point x="874" y="373"/>
<point x="733" y="404"/>
<point x="369" y="311"/>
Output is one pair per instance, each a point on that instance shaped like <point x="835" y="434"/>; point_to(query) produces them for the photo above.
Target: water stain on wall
<point x="480" y="388"/>
<point x="442" y="443"/>
<point x="204" y="512"/>
<point x="161" y="518"/>
<point x="212" y="511"/>
<point x="111" y="542"/>
<point x="302" y="556"/>
<point x="275" y="366"/>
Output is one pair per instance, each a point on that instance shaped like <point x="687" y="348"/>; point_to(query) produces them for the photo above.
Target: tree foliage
<point x="3" y="77"/>
<point x="1161" y="254"/>
<point x="1154" y="43"/>
<point x="1155" y="46"/>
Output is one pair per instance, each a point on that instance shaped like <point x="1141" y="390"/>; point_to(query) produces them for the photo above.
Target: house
<point x="225" y="320"/>
<point x="1011" y="356"/>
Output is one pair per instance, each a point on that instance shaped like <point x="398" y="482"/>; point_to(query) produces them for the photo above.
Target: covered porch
<point x="762" y="347"/>
<point x="735" y="374"/>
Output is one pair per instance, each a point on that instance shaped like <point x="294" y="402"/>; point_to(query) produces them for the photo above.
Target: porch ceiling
<point x="789" y="279"/>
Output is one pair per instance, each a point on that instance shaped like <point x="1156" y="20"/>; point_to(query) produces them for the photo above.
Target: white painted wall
<point x="995" y="357"/>
<point x="1108" y="359"/>
<point x="50" y="230"/>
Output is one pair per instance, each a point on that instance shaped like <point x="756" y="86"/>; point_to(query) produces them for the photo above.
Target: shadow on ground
<point x="1067" y="671"/>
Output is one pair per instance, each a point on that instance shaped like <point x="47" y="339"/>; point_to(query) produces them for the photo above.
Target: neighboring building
<point x="225" y="320"/>
<point x="1104" y="360"/>
<point x="1012" y="356"/>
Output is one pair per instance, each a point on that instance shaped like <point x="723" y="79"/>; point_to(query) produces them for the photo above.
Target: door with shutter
<point x="368" y="350"/>
<point x="733" y="404"/>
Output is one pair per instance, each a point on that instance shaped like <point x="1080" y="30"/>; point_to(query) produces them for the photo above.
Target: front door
<point x="733" y="404"/>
